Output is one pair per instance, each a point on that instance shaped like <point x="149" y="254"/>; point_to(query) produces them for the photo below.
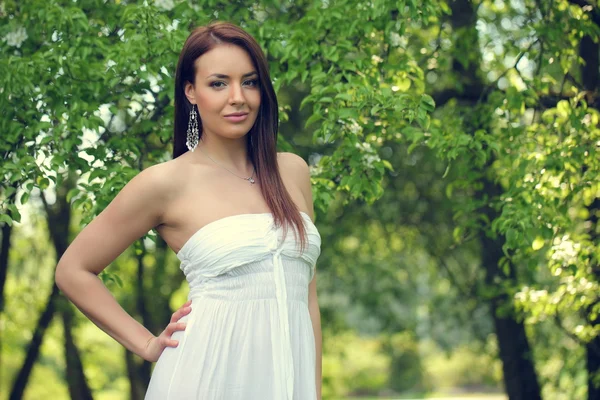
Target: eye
<point x="253" y="81"/>
<point x="217" y="84"/>
<point x="214" y="84"/>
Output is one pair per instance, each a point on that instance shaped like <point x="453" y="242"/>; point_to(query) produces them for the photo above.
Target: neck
<point x="231" y="154"/>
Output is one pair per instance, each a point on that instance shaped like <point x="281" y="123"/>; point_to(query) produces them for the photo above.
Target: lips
<point x="240" y="117"/>
<point x="236" y="114"/>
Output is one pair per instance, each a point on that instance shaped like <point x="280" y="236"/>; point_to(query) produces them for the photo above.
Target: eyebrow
<point x="222" y="76"/>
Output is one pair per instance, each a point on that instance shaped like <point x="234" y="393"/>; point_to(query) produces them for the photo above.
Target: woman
<point x="253" y="331"/>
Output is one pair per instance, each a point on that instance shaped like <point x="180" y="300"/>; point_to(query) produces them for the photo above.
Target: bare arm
<point x="315" y="317"/>
<point x="302" y="177"/>
<point x="133" y="212"/>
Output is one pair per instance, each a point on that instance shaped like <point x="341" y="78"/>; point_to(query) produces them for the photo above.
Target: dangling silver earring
<point x="192" y="131"/>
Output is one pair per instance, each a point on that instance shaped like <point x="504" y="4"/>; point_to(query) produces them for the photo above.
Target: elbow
<point x="59" y="276"/>
<point x="69" y="278"/>
<point x="65" y="271"/>
<point x="63" y="275"/>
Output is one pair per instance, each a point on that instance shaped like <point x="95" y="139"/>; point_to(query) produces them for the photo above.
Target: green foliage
<point x="365" y="365"/>
<point x="101" y="79"/>
<point x="562" y="371"/>
<point x="92" y="82"/>
<point x="95" y="81"/>
<point x="522" y="119"/>
<point x="406" y="370"/>
<point x="353" y="364"/>
<point x="470" y="365"/>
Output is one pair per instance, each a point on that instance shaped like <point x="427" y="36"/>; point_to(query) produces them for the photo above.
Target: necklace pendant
<point x="251" y="180"/>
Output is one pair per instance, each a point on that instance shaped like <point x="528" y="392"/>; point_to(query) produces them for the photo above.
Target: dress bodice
<point x="237" y="240"/>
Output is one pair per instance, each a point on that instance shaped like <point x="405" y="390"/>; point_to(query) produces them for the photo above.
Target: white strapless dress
<point x="249" y="335"/>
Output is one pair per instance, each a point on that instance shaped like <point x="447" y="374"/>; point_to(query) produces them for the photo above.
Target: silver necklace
<point x="250" y="179"/>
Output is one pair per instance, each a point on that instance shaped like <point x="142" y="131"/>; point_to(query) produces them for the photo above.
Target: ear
<point x="189" y="92"/>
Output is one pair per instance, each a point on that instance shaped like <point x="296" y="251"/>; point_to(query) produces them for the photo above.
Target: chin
<point x="238" y="134"/>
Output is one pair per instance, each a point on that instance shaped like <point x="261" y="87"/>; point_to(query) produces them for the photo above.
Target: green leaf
<point x="14" y="213"/>
<point x="427" y="103"/>
<point x="538" y="243"/>
<point x="343" y="96"/>
<point x="24" y="197"/>
<point x="313" y="118"/>
<point x="6" y="219"/>
<point x="447" y="170"/>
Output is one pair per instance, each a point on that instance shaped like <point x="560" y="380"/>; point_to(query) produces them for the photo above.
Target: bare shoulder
<point x="155" y="184"/>
<point x="136" y="209"/>
<point x="165" y="177"/>
<point x="151" y="188"/>
<point x="294" y="161"/>
<point x="296" y="169"/>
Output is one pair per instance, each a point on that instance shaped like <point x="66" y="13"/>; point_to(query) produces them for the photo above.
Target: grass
<point x="433" y="396"/>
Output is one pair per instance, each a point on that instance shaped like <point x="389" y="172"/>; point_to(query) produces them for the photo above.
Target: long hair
<point x="261" y="140"/>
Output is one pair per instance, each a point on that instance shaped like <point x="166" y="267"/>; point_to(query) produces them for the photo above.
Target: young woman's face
<point x="226" y="83"/>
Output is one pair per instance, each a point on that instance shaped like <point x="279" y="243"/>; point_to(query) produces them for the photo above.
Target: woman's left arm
<point x="315" y="317"/>
<point x="313" y="303"/>
<point x="297" y="170"/>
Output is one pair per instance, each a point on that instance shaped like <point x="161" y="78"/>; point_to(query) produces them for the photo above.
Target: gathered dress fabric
<point x="249" y="335"/>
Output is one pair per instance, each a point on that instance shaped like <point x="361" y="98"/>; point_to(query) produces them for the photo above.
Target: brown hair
<point x="262" y="137"/>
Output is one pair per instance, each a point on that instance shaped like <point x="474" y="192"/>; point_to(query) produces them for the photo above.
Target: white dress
<point x="249" y="335"/>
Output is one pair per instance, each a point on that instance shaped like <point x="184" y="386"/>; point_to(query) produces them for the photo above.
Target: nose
<point x="236" y="95"/>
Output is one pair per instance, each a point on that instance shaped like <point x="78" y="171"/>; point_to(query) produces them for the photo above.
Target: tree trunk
<point x="145" y="367"/>
<point x="59" y="221"/>
<point x="592" y="348"/>
<point x="137" y="385"/>
<point x="139" y="372"/>
<point x="520" y="379"/>
<point x="33" y="349"/>
<point x="78" y="387"/>
<point x="4" y="252"/>
<point x="593" y="365"/>
<point x="590" y="74"/>
<point x="6" y="233"/>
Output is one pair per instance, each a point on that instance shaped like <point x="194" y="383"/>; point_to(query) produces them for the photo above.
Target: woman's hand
<point x="157" y="344"/>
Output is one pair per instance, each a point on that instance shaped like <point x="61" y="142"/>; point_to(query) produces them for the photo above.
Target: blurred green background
<point x="454" y="149"/>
